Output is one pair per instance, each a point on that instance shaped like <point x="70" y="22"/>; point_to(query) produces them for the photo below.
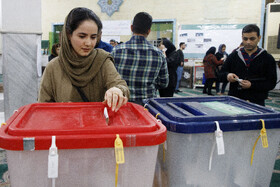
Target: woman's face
<point x="161" y="46"/>
<point x="84" y="38"/>
<point x="224" y="49"/>
<point x="57" y="50"/>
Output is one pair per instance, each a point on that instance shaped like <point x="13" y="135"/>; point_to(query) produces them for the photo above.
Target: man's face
<point x="250" y="41"/>
<point x="183" y="46"/>
<point x="113" y="43"/>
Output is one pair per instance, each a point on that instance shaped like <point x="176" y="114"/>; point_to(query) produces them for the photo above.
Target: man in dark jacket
<point x="250" y="70"/>
<point x="180" y="68"/>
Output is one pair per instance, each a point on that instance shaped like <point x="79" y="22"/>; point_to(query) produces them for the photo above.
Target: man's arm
<point x="268" y="81"/>
<point x="225" y="71"/>
<point x="163" y="77"/>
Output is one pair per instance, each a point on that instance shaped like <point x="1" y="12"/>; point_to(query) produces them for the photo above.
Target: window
<point x="162" y="29"/>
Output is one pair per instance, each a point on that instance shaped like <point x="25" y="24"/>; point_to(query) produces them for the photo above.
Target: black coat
<point x="173" y="61"/>
<point x="51" y="57"/>
<point x="181" y="55"/>
<point x="219" y="56"/>
<point x="261" y="73"/>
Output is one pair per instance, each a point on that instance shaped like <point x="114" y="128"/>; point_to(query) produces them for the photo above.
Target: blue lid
<point x="198" y="114"/>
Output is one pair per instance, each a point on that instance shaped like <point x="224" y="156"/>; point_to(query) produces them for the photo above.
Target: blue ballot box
<point x="217" y="141"/>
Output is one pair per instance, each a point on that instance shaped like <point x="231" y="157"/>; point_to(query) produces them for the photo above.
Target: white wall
<point x="1" y="62"/>
<point x="19" y="19"/>
<point x="183" y="11"/>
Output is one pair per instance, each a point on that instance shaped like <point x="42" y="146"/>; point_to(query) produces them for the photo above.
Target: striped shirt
<point x="248" y="58"/>
<point x="142" y="66"/>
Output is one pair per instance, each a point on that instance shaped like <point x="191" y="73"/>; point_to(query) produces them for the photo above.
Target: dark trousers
<point x="208" y="86"/>
<point x="166" y="92"/>
<point x="224" y="85"/>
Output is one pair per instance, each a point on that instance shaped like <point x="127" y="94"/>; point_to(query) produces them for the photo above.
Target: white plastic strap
<point x="219" y="139"/>
<point x="53" y="161"/>
<point x="220" y="144"/>
<point x="211" y="155"/>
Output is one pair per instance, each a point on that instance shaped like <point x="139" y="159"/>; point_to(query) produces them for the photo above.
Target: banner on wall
<point x="116" y="27"/>
<point x="199" y="38"/>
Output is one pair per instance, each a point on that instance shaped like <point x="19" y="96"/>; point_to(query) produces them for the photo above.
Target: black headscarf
<point x="169" y="46"/>
<point x="211" y="50"/>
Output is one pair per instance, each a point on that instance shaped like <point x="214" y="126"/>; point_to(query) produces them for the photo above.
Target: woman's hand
<point x="163" y="49"/>
<point x="114" y="98"/>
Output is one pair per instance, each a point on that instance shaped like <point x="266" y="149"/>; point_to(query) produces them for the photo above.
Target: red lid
<point x="79" y="126"/>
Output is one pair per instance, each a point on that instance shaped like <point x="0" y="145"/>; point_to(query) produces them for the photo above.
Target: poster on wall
<point x="199" y="38"/>
<point x="116" y="27"/>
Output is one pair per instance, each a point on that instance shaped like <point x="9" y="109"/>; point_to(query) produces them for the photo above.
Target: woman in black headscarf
<point x="173" y="61"/>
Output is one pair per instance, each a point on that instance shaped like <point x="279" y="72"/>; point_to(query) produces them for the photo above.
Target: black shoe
<point x="210" y="94"/>
<point x="176" y="91"/>
<point x="179" y="90"/>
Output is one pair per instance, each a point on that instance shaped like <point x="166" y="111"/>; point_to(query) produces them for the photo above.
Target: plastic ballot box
<point x="75" y="144"/>
<point x="217" y="141"/>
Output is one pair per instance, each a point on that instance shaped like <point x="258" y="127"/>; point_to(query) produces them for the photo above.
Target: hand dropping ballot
<point x="106" y="115"/>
